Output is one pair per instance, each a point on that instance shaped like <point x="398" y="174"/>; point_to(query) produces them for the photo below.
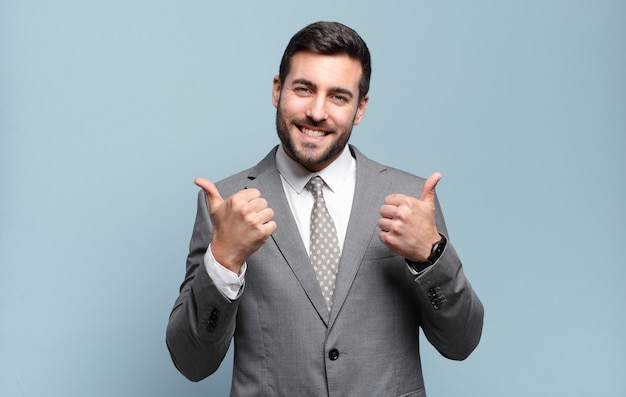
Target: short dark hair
<point x="329" y="38"/>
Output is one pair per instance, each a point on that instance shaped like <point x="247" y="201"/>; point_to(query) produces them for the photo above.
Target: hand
<point x="241" y="224"/>
<point x="407" y="225"/>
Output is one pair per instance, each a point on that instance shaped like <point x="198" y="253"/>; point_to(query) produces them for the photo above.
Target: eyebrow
<point x="338" y="90"/>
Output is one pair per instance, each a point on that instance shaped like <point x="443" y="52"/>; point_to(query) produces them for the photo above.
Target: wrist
<point x="435" y="253"/>
<point x="226" y="261"/>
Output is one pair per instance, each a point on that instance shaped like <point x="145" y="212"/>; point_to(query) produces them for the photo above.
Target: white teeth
<point x="312" y="133"/>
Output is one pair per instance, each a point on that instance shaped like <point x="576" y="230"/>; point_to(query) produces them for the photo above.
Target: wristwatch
<point x="435" y="253"/>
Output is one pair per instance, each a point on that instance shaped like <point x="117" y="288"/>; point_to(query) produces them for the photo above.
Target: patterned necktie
<point x="325" y="252"/>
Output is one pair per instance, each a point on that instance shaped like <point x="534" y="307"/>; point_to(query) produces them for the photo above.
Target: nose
<point x="316" y="109"/>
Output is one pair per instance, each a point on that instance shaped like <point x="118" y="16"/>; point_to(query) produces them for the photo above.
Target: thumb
<point x="428" y="194"/>
<point x="212" y="194"/>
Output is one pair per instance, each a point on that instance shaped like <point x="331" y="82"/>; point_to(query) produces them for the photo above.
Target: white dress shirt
<point x="340" y="180"/>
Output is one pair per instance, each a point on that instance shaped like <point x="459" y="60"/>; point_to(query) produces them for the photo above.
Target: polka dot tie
<point x="325" y="252"/>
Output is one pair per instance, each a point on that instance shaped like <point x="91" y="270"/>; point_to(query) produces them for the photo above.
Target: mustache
<point x="312" y="124"/>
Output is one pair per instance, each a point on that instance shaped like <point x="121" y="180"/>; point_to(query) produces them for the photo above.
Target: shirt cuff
<point x="418" y="273"/>
<point x="228" y="283"/>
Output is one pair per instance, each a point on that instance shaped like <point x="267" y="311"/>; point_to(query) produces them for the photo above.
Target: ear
<point x="276" y="91"/>
<point x="360" y="110"/>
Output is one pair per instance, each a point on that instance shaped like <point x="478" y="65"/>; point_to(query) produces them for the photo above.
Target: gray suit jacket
<point x="287" y="343"/>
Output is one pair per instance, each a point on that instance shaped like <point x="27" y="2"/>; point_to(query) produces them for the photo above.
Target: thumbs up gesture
<point x="241" y="224"/>
<point x="407" y="225"/>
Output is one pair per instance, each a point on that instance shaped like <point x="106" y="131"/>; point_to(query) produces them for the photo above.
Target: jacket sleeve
<point x="451" y="312"/>
<point x="202" y="322"/>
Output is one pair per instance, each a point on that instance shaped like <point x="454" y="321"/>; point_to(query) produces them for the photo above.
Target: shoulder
<point x="401" y="181"/>
<point x="241" y="180"/>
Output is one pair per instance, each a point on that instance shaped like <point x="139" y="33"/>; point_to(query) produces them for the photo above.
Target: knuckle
<point x="395" y="228"/>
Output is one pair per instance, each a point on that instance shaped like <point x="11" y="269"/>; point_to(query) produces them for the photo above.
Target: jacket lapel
<point x="370" y="192"/>
<point x="266" y="178"/>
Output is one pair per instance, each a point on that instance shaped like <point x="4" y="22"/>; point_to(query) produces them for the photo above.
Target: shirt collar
<point x="297" y="176"/>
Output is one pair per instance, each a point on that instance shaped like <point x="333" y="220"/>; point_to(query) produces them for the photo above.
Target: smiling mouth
<point x="313" y="133"/>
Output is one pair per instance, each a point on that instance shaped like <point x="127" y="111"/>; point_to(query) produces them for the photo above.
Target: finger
<point x="388" y="211"/>
<point x="258" y="204"/>
<point x="384" y="224"/>
<point x="213" y="195"/>
<point x="264" y="217"/>
<point x="269" y="227"/>
<point x="396" y="199"/>
<point x="428" y="193"/>
<point x="248" y="195"/>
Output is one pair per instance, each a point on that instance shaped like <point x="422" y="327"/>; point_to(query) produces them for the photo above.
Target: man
<point x="312" y="317"/>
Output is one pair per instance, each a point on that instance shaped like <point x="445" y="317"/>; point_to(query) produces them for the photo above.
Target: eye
<point x="302" y="90"/>
<point x="340" y="99"/>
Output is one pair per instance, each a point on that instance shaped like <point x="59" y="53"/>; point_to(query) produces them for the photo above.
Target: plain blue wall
<point x="109" y="109"/>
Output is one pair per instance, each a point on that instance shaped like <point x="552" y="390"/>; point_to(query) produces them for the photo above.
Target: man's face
<point x="317" y="107"/>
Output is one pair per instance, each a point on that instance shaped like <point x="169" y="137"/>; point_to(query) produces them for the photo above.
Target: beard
<point x="309" y="156"/>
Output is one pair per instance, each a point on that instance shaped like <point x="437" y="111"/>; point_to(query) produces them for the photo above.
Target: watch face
<point x="437" y="250"/>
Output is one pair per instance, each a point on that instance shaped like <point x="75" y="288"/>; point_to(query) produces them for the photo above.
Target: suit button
<point x="210" y="319"/>
<point x="333" y="354"/>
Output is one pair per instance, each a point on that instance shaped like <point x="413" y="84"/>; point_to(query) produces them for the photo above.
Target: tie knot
<point x="315" y="186"/>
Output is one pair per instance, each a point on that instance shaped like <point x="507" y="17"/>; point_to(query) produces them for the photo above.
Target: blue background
<point x="109" y="109"/>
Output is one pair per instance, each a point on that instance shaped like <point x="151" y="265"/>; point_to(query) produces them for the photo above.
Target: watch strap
<point x="435" y="253"/>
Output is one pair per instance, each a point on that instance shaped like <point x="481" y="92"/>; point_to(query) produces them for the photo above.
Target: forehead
<point x="334" y="70"/>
